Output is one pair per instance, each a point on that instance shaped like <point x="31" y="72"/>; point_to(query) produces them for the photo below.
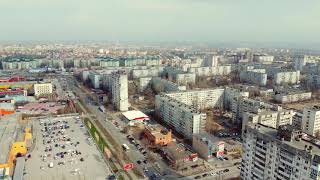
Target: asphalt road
<point x="134" y="154"/>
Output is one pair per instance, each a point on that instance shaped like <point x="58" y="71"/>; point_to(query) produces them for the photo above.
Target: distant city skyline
<point x="213" y="21"/>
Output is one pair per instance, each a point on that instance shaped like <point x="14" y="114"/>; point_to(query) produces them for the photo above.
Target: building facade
<point x="311" y="120"/>
<point x="269" y="153"/>
<point x="183" y="118"/>
<point x="119" y="88"/>
<point x="42" y="89"/>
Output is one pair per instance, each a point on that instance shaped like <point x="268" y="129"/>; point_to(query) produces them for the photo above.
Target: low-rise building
<point x="135" y="117"/>
<point x="207" y="146"/>
<point x="179" y="158"/>
<point x="157" y="136"/>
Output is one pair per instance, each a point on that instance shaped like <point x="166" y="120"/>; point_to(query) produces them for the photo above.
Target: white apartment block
<point x="301" y="61"/>
<point x="168" y="86"/>
<point x="148" y="72"/>
<point x="292" y="97"/>
<point x="181" y="117"/>
<point x="119" y="88"/>
<point x="231" y="94"/>
<point x="144" y="83"/>
<point x="282" y="154"/>
<point x="311" y="120"/>
<point x="211" y="71"/>
<point x="109" y="63"/>
<point x="185" y="78"/>
<point x="268" y="118"/>
<point x="255" y="77"/>
<point x="85" y="75"/>
<point x="289" y="77"/>
<point x="297" y="120"/>
<point x="95" y="79"/>
<point x="19" y="65"/>
<point x="200" y="99"/>
<point x="211" y="61"/>
<point x="241" y="105"/>
<point x="263" y="58"/>
<point x="42" y="89"/>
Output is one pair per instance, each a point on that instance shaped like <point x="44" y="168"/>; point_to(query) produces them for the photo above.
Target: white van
<point x="125" y="147"/>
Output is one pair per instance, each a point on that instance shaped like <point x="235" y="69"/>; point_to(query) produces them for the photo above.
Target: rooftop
<point x="135" y="115"/>
<point x="295" y="142"/>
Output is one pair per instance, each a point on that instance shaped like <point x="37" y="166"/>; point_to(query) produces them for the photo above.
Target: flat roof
<point x="297" y="144"/>
<point x="18" y="170"/>
<point x="10" y="131"/>
<point x="135" y="115"/>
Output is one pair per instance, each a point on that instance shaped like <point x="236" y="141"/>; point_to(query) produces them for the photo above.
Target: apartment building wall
<point x="201" y="99"/>
<point x="42" y="89"/>
<point x="288" y="77"/>
<point x="254" y="77"/>
<point x="311" y="120"/>
<point x="119" y="86"/>
<point x="278" y="154"/>
<point x="179" y="116"/>
<point x="293" y="97"/>
<point x="211" y="71"/>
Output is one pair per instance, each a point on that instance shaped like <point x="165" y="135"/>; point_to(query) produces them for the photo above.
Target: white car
<point x="213" y="174"/>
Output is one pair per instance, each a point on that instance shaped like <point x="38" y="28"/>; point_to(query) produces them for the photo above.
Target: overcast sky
<point x="161" y="20"/>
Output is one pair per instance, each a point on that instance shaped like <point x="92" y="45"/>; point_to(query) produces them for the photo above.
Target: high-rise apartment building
<point x="183" y="118"/>
<point x="280" y="154"/>
<point x="119" y="87"/>
<point x="311" y="120"/>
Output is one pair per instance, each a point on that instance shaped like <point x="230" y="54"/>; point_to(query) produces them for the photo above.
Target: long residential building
<point x="200" y="99"/>
<point x="181" y="117"/>
<point x="288" y="77"/>
<point x="211" y="71"/>
<point x="254" y="77"/>
<point x="290" y="97"/>
<point x="270" y="153"/>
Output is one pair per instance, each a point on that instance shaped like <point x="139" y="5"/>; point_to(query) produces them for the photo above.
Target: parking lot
<point x="64" y="150"/>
